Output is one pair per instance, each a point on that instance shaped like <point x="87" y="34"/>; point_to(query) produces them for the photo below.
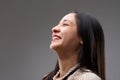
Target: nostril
<point x="55" y="29"/>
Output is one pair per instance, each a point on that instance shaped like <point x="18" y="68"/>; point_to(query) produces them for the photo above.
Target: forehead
<point x="69" y="17"/>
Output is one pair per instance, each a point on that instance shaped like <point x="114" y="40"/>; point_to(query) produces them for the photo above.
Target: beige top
<point x="78" y="75"/>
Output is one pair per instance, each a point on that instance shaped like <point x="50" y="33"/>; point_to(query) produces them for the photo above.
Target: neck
<point x="65" y="64"/>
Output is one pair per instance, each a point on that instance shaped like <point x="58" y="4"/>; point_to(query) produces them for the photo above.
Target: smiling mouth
<point x="55" y="38"/>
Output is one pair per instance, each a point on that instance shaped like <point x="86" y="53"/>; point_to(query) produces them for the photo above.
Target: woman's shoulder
<point x="85" y="75"/>
<point x="89" y="76"/>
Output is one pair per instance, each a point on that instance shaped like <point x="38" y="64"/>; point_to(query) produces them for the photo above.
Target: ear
<point x="81" y="41"/>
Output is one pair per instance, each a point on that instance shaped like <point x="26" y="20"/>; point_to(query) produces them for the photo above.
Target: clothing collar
<point x="58" y="73"/>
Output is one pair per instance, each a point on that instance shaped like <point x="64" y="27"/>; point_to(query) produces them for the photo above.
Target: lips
<point x="55" y="37"/>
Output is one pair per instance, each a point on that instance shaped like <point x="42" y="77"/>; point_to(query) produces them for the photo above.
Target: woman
<point x="78" y="41"/>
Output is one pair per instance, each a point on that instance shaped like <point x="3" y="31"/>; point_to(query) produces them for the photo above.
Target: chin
<point x="54" y="46"/>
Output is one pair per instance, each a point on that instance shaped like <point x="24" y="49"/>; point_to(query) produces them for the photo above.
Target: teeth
<point x="55" y="38"/>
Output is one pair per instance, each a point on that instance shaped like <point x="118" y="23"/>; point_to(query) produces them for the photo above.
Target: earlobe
<point x="81" y="42"/>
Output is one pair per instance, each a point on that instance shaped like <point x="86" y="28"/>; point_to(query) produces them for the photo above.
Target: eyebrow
<point x="68" y="21"/>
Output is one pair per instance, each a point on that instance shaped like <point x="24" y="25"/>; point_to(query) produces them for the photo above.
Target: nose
<point x="56" y="29"/>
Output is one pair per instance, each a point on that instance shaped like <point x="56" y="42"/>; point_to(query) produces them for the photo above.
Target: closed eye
<point x="65" y="24"/>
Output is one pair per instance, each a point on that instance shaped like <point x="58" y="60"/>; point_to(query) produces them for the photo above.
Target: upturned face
<point x="64" y="35"/>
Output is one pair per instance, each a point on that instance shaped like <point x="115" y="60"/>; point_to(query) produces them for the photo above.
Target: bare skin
<point x="66" y="43"/>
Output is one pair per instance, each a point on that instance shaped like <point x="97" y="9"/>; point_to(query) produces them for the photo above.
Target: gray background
<point x="25" y="35"/>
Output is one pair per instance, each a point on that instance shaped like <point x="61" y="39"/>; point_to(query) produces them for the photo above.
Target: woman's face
<point x="64" y="35"/>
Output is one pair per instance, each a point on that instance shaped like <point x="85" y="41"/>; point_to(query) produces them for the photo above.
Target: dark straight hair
<point x="91" y="54"/>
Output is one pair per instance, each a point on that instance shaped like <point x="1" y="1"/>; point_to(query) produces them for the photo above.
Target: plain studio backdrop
<point x="25" y="35"/>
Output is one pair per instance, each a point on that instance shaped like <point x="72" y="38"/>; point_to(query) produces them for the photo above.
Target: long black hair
<point x="92" y="54"/>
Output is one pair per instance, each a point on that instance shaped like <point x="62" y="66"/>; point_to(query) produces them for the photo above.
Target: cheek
<point x="70" y="34"/>
<point x="66" y="33"/>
